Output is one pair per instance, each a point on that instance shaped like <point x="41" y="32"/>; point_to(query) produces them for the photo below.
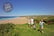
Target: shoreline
<point x="17" y="20"/>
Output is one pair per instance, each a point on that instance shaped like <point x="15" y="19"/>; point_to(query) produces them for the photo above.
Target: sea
<point x="7" y="17"/>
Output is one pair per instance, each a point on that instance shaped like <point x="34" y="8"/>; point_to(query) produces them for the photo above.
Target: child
<point x="41" y="25"/>
<point x="34" y="26"/>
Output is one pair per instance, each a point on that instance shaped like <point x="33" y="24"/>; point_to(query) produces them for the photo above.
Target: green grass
<point x="24" y="30"/>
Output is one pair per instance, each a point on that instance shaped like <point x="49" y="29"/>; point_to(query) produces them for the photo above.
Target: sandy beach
<point x="18" y="20"/>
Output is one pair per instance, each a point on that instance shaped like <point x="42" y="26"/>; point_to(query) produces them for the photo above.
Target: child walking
<point x="41" y="23"/>
<point x="34" y="26"/>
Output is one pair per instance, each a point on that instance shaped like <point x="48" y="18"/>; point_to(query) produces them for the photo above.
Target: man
<point x="32" y="22"/>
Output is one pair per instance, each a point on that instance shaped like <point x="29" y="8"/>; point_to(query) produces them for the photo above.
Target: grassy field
<point x="24" y="30"/>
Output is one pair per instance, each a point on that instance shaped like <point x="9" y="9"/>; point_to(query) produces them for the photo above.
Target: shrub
<point x="5" y="28"/>
<point x="50" y="21"/>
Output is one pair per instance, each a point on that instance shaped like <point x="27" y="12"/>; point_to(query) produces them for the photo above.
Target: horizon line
<point x="27" y="15"/>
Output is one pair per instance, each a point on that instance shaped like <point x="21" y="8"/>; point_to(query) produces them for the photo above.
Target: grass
<point x="24" y="30"/>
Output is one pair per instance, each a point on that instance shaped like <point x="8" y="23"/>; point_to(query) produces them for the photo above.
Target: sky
<point x="28" y="7"/>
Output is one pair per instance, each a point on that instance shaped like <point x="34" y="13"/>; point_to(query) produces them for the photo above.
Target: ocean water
<point x="7" y="17"/>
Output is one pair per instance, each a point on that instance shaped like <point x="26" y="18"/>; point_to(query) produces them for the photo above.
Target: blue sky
<point x="28" y="7"/>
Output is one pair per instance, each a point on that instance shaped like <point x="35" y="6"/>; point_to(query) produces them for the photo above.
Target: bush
<point x="5" y="28"/>
<point x="50" y="21"/>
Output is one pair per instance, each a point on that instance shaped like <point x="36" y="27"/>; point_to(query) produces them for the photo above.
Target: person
<point x="41" y="23"/>
<point x="29" y="22"/>
<point x="32" y="22"/>
<point x="34" y="26"/>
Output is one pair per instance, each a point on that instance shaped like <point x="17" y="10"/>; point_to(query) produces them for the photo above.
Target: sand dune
<point x="18" y="20"/>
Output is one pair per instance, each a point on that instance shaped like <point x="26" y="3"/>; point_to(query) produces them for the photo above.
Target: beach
<point x="17" y="20"/>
